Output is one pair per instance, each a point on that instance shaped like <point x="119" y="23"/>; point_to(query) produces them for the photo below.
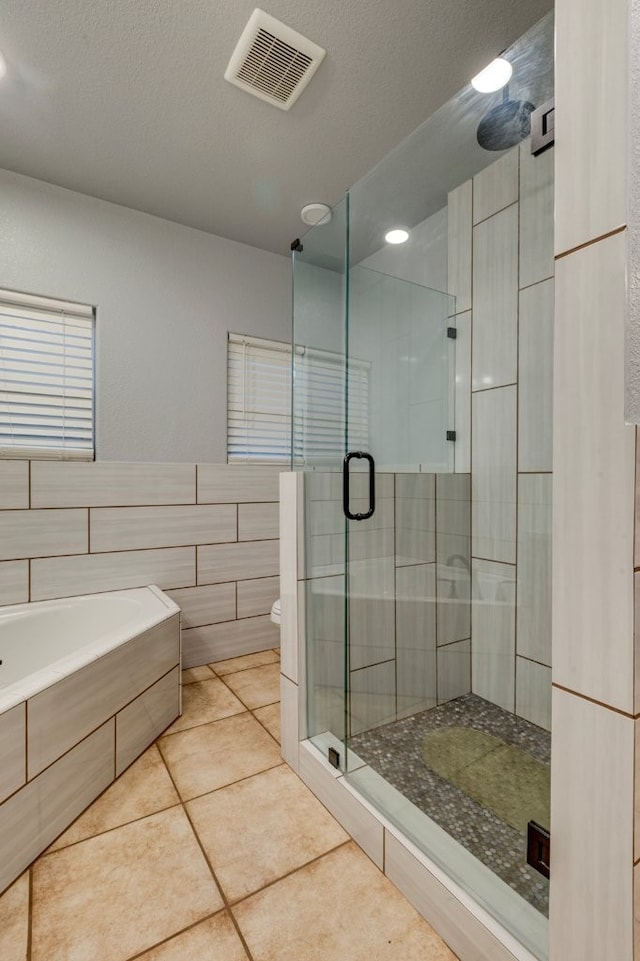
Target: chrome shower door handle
<point x="359" y="455"/>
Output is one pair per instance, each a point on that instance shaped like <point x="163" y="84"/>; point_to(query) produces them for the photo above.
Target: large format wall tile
<point x="13" y="763"/>
<point x="14" y="484"/>
<point x="31" y="819"/>
<point x="371" y="611"/>
<point x="495" y="300"/>
<point x="134" y="528"/>
<point x="591" y="94"/>
<point x="237" y="483"/>
<point x="462" y="396"/>
<point x="533" y="692"/>
<point x="592" y="779"/>
<point x="453" y="523"/>
<point x="257" y="596"/>
<point x="208" y="604"/>
<point x="67" y="711"/>
<point x="237" y="562"/>
<point x="493" y="632"/>
<point x="258" y="522"/>
<point x="217" y="642"/>
<point x="536" y="215"/>
<point x="493" y="479"/>
<point x="104" y="484"/>
<point x="415" y="638"/>
<point x="87" y="573"/>
<point x="42" y="533"/>
<point x="535" y="378"/>
<point x="459" y="215"/>
<point x="496" y="186"/>
<point x="14" y="582"/>
<point x="454" y="670"/>
<point x="593" y="479"/>
<point x="415" y="519"/>
<point x="534" y="567"/>
<point x="373" y="696"/>
<point x="144" y="719"/>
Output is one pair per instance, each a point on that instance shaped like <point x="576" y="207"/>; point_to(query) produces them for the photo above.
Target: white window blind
<point x="321" y="422"/>
<point x="46" y="378"/>
<point x="259" y="403"/>
<point x="258" y="400"/>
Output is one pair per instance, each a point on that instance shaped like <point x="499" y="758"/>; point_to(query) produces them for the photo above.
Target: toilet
<point x="276" y="612"/>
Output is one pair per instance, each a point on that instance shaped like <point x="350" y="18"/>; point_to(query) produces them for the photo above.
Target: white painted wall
<point x="166" y="296"/>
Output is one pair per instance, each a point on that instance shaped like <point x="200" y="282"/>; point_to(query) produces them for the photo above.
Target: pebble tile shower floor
<point x="395" y="752"/>
<point x="209" y="848"/>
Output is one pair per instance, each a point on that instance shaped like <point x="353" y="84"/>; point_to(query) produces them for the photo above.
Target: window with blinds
<point x="46" y="378"/>
<point x="259" y="403"/>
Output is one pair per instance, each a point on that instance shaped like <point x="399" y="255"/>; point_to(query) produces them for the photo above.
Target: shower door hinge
<point x="539" y="848"/>
<point x="452" y="333"/>
<point x="334" y="757"/>
<point x="297" y="246"/>
<point x="451" y="435"/>
<point x="543" y="127"/>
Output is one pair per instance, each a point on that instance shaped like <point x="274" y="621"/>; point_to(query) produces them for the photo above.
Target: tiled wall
<point x="595" y="707"/>
<point x="501" y="273"/>
<point x="207" y="534"/>
<point x="409" y="646"/>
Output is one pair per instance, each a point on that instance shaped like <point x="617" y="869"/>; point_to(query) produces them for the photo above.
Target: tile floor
<point x="209" y="848"/>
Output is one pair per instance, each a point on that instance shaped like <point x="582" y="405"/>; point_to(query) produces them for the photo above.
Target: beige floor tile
<point x="191" y="674"/>
<point x="205" y="701"/>
<point x="244" y="662"/>
<point x="291" y="829"/>
<point x="338" y="907"/>
<point x="143" y="789"/>
<point x="122" y="892"/>
<point x="215" y="939"/>
<point x="257" y="686"/>
<point x="14" y="920"/>
<point x="270" y="717"/>
<point x="213" y="755"/>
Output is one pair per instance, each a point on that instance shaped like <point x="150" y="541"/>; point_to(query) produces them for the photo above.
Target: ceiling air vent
<point x="272" y="61"/>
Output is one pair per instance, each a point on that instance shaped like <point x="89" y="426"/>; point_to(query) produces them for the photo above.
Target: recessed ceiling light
<point x="3" y="66"/>
<point x="399" y="235"/>
<point x="493" y="77"/>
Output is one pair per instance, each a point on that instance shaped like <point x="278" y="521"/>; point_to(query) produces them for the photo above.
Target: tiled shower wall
<point x="409" y="646"/>
<point x="501" y="274"/>
<point x="206" y="533"/>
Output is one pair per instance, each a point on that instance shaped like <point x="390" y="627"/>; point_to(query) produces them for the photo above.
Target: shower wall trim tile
<point x="195" y="530"/>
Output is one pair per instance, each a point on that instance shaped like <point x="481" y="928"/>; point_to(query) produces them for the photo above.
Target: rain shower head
<point x="506" y="124"/>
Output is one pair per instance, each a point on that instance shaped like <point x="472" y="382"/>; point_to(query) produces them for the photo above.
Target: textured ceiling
<point x="125" y="100"/>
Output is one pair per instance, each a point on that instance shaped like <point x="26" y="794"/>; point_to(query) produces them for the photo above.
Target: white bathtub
<point x="42" y="642"/>
<point x="86" y="684"/>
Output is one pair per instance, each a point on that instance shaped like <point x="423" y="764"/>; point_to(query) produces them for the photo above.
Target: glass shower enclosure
<point x="422" y="422"/>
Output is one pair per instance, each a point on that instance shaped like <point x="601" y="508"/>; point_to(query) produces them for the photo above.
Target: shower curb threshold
<point x="468" y="929"/>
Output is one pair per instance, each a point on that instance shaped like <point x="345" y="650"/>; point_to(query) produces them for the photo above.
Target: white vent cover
<point x="272" y="61"/>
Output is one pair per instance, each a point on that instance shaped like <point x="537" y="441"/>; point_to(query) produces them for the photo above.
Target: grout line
<point x="495" y="212"/>
<point x="591" y="243"/>
<point x="300" y="867"/>
<point x="30" y="915"/>
<point x="223" y="896"/>
<point x="159" y="944"/>
<point x="593" y="700"/>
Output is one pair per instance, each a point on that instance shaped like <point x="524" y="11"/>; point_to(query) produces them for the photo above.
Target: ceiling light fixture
<point x="315" y="214"/>
<point x="399" y="235"/>
<point x="494" y="77"/>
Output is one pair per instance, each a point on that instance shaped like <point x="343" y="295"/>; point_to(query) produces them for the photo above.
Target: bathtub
<point x="86" y="684"/>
